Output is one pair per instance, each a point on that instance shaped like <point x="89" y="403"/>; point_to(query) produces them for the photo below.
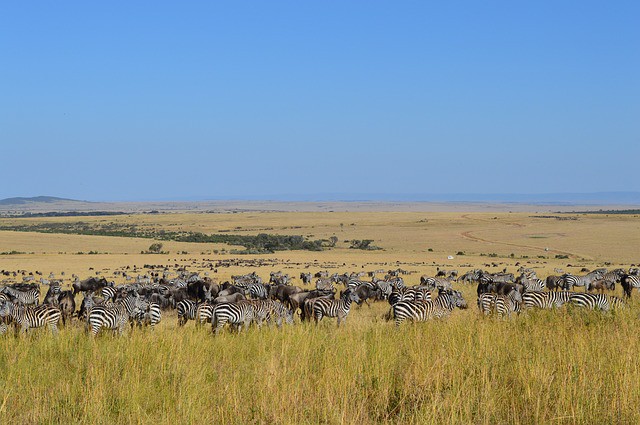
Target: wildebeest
<point x="90" y="284"/>
<point x="67" y="305"/>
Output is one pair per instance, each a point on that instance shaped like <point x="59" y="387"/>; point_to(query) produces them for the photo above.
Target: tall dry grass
<point x="567" y="366"/>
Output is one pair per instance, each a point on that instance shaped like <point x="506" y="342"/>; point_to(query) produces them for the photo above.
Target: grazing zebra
<point x="27" y="317"/>
<point x="334" y="308"/>
<point x="436" y="283"/>
<point x="545" y="300"/>
<point x="507" y="304"/>
<point x="470" y="276"/>
<point x="530" y="282"/>
<point x="410" y="293"/>
<point x="257" y="291"/>
<point x="629" y="282"/>
<point x="503" y="305"/>
<point x="28" y="297"/>
<point x="324" y="284"/>
<point x="186" y="311"/>
<point x="204" y="313"/>
<point x="595" y="301"/>
<point x="420" y="311"/>
<point x="486" y="302"/>
<point x="149" y="314"/>
<point x="278" y="313"/>
<point x="236" y="314"/>
<point x="113" y="316"/>
<point x="570" y="280"/>
<point x="385" y="288"/>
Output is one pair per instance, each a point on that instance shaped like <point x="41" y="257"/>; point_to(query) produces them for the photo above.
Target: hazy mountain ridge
<point x="35" y="199"/>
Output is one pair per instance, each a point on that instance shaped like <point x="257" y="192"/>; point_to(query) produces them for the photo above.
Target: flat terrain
<point x="545" y="367"/>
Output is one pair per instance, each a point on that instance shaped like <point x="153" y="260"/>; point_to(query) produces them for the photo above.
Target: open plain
<point x="564" y="366"/>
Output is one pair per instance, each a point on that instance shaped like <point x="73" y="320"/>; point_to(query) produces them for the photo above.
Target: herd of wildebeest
<point x="246" y="299"/>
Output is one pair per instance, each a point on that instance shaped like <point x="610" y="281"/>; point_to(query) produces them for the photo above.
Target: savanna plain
<point x="563" y="367"/>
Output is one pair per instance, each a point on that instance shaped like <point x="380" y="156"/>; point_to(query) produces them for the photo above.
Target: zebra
<point x="486" y="302"/>
<point x="278" y="313"/>
<point x="503" y="305"/>
<point x="27" y="317"/>
<point x="572" y="280"/>
<point x="420" y="311"/>
<point x="530" y="282"/>
<point x="186" y="311"/>
<point x="204" y="313"/>
<point x="257" y="291"/>
<point x="385" y="288"/>
<point x="108" y="293"/>
<point x="595" y="301"/>
<point x="324" y="284"/>
<point x="545" y="300"/>
<point x="113" y="316"/>
<point x="507" y="304"/>
<point x="470" y="276"/>
<point x="236" y="314"/>
<point x="28" y="297"/>
<point x="149" y="314"/>
<point x="334" y="308"/>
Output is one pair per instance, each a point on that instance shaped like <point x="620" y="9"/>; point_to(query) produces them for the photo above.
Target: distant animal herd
<point x="247" y="299"/>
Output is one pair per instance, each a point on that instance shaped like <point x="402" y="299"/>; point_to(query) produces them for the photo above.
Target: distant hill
<point x="35" y="199"/>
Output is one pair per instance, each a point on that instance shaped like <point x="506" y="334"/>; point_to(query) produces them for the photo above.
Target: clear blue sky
<point x="237" y="99"/>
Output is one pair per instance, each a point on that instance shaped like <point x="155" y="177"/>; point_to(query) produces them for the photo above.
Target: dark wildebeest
<point x="67" y="305"/>
<point x="199" y="290"/>
<point x="90" y="284"/>
<point x="553" y="283"/>
<point x="297" y="300"/>
<point x="231" y="298"/>
<point x="365" y="292"/>
<point x="282" y="292"/>
<point x="52" y="295"/>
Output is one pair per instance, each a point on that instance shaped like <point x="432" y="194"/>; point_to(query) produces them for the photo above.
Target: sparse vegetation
<point x="364" y="244"/>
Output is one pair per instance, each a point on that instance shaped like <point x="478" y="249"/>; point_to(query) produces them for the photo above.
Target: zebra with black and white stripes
<point x="235" y="314"/>
<point x="186" y="310"/>
<point x="570" y="281"/>
<point x="204" y="313"/>
<point x="530" y="282"/>
<point x="384" y="287"/>
<point x="595" y="301"/>
<point x="502" y="305"/>
<point x="113" y="316"/>
<point x="420" y="311"/>
<point x="28" y="297"/>
<point x="27" y="317"/>
<point x="149" y="314"/>
<point x="507" y="304"/>
<point x="257" y="291"/>
<point x="324" y="307"/>
<point x="486" y="303"/>
<point x="545" y="300"/>
<point x="109" y="293"/>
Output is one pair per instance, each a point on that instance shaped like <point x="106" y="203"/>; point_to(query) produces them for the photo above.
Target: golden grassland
<point x="565" y="366"/>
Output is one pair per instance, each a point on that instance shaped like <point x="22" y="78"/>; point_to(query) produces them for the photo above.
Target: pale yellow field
<point x="405" y="238"/>
<point x="549" y="367"/>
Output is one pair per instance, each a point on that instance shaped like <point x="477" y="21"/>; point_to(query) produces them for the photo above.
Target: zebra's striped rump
<point x="27" y="317"/>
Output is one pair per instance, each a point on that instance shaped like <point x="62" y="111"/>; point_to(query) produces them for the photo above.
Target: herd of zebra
<point x="247" y="300"/>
